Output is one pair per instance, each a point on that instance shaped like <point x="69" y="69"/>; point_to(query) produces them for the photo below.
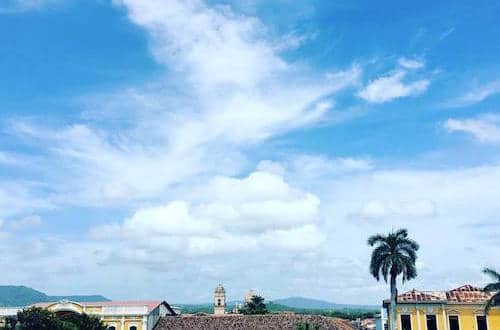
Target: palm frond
<point x="374" y="239"/>
<point x="401" y="233"/>
<point x="492" y="273"/>
<point x="494" y="301"/>
<point x="492" y="287"/>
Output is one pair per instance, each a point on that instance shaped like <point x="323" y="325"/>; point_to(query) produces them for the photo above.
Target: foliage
<point x="83" y="321"/>
<point x="255" y="306"/>
<point x="493" y="287"/>
<point x="35" y="318"/>
<point x="394" y="254"/>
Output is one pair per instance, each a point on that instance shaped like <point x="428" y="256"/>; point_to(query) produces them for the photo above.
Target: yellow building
<point x="458" y="309"/>
<point x="117" y="315"/>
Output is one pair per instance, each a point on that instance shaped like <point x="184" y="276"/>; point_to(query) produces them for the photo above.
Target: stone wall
<point x="245" y="322"/>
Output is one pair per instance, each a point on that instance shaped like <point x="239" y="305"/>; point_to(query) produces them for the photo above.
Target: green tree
<point x="35" y="318"/>
<point x="255" y="306"/>
<point x="83" y="321"/>
<point x="494" y="288"/>
<point x="394" y="254"/>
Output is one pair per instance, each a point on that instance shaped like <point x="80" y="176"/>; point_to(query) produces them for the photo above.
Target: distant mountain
<point x="11" y="295"/>
<point x="308" y="303"/>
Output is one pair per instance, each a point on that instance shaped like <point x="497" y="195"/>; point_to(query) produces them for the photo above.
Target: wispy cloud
<point x="478" y="94"/>
<point x="485" y="128"/>
<point x="24" y="223"/>
<point x="228" y="87"/>
<point x="410" y="64"/>
<point x="447" y="33"/>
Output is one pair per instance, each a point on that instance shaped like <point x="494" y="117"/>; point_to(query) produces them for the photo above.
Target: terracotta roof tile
<point x="467" y="293"/>
<point x="415" y="295"/>
<point x="464" y="294"/>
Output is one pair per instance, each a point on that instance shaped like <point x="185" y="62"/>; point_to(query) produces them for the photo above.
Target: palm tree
<point x="394" y="254"/>
<point x="492" y="287"/>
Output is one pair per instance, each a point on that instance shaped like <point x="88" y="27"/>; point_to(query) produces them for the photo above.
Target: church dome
<point x="220" y="289"/>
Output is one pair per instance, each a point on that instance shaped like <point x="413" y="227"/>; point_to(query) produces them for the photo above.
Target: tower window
<point x="133" y="328"/>
<point x="218" y="302"/>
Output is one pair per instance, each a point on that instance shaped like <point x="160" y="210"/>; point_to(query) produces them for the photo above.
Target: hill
<point x="308" y="303"/>
<point x="11" y="295"/>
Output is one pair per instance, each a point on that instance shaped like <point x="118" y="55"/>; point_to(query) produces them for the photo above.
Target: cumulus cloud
<point x="392" y="87"/>
<point x="485" y="128"/>
<point x="258" y="211"/>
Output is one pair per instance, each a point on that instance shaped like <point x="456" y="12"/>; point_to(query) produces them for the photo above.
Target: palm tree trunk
<point x="393" y="302"/>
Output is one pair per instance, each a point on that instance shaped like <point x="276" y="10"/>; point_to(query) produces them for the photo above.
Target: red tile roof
<point x="415" y="295"/>
<point x="464" y="294"/>
<point x="467" y="293"/>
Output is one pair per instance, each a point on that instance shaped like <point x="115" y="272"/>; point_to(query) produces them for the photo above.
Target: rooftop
<point x="463" y="294"/>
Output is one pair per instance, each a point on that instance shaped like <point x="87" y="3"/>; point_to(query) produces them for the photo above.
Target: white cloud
<point x="379" y="209"/>
<point x="25" y="222"/>
<point x="485" y="128"/>
<point x="224" y="214"/>
<point x="478" y="94"/>
<point x="228" y="87"/>
<point x="410" y="64"/>
<point x="19" y="198"/>
<point x="391" y="87"/>
<point x="318" y="166"/>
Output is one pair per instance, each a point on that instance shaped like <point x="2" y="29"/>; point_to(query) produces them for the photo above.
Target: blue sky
<point x="173" y="142"/>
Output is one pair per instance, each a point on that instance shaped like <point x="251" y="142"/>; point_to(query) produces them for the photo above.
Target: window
<point x="133" y="327"/>
<point x="218" y="302"/>
<point x="431" y="322"/>
<point x="405" y="322"/>
<point x="481" y="322"/>
<point x="453" y="320"/>
<point x="112" y="327"/>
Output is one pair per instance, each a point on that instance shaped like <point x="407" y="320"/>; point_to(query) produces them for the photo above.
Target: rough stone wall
<point x="245" y="322"/>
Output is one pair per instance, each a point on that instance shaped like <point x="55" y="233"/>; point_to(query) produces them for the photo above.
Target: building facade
<point x="458" y="309"/>
<point x="117" y="315"/>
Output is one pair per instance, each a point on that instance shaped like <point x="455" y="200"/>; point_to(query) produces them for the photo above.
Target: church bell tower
<point x="219" y="300"/>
